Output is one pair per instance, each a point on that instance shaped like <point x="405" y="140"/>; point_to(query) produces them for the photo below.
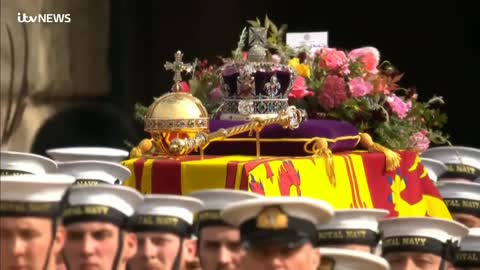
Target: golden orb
<point x="175" y="115"/>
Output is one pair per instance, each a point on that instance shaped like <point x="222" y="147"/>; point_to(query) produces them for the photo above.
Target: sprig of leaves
<point x="275" y="38"/>
<point x="237" y="53"/>
<point x="139" y="114"/>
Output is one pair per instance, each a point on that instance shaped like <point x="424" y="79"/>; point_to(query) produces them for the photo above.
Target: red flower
<point x="334" y="92"/>
<point x="181" y="87"/>
<point x="184" y="87"/>
<point x="244" y="56"/>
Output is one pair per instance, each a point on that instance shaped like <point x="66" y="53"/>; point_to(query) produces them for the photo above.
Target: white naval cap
<point x="103" y="202"/>
<point x="14" y="163"/>
<point x="166" y="213"/>
<point x="435" y="168"/>
<point x="289" y="221"/>
<point x="88" y="153"/>
<point x="344" y="259"/>
<point x="216" y="200"/>
<point x="421" y="234"/>
<point x="471" y="242"/>
<point x="468" y="255"/>
<point x="33" y="195"/>
<point x="463" y="163"/>
<point x="461" y="197"/>
<point x="94" y="172"/>
<point x="351" y="226"/>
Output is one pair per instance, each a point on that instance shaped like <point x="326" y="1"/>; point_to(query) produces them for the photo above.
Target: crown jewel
<point x="175" y="114"/>
<point x="255" y="87"/>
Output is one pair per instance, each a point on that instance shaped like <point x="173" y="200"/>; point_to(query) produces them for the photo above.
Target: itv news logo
<point x="44" y="18"/>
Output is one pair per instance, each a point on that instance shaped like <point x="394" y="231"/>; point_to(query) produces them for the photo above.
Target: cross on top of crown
<point x="177" y="66"/>
<point x="257" y="36"/>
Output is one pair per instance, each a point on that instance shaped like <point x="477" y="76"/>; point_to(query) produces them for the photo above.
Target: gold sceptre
<point x="290" y="118"/>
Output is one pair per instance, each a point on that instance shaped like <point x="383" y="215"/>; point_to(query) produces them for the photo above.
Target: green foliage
<point x="139" y="114"/>
<point x="275" y="38"/>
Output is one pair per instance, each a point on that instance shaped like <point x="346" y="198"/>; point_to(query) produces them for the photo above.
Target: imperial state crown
<point x="255" y="87"/>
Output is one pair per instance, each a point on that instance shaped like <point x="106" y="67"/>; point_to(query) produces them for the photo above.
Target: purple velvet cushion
<point x="311" y="128"/>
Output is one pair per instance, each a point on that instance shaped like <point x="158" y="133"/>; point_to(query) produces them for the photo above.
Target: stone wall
<point x="55" y="64"/>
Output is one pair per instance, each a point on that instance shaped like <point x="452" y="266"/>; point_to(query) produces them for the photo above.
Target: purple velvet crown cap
<point x="255" y="86"/>
<point x="236" y="79"/>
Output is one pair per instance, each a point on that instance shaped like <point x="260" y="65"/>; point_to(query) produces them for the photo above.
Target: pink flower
<point x="399" y="106"/>
<point x="216" y="94"/>
<point x="334" y="92"/>
<point x="244" y="56"/>
<point x="359" y="87"/>
<point x="299" y="89"/>
<point x="369" y="56"/>
<point x="419" y="141"/>
<point x="333" y="59"/>
<point x="276" y="58"/>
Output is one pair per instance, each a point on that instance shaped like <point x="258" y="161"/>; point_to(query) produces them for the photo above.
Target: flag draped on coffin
<point x="360" y="180"/>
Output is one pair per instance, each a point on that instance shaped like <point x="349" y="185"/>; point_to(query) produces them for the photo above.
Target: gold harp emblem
<point x="272" y="218"/>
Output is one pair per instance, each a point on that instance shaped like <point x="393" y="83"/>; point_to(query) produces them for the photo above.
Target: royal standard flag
<point x="360" y="180"/>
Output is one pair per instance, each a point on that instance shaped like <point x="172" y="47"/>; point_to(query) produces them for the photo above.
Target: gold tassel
<point x="136" y="152"/>
<point x="392" y="158"/>
<point x="143" y="148"/>
<point x="320" y="149"/>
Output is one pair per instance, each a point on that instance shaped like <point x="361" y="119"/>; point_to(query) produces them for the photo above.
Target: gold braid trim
<point x="392" y="158"/>
<point x="293" y="140"/>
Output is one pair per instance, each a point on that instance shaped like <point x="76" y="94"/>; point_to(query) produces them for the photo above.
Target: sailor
<point x="18" y="163"/>
<point x="218" y="242"/>
<point x="420" y="242"/>
<point x="163" y="224"/>
<point x="78" y="153"/>
<point x="29" y="209"/>
<point x="95" y="220"/>
<point x="343" y="259"/>
<point x="279" y="232"/>
<point x="434" y="168"/>
<point x="468" y="257"/>
<point x="94" y="172"/>
<point x="463" y="163"/>
<point x="91" y="173"/>
<point x="355" y="229"/>
<point x="462" y="200"/>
